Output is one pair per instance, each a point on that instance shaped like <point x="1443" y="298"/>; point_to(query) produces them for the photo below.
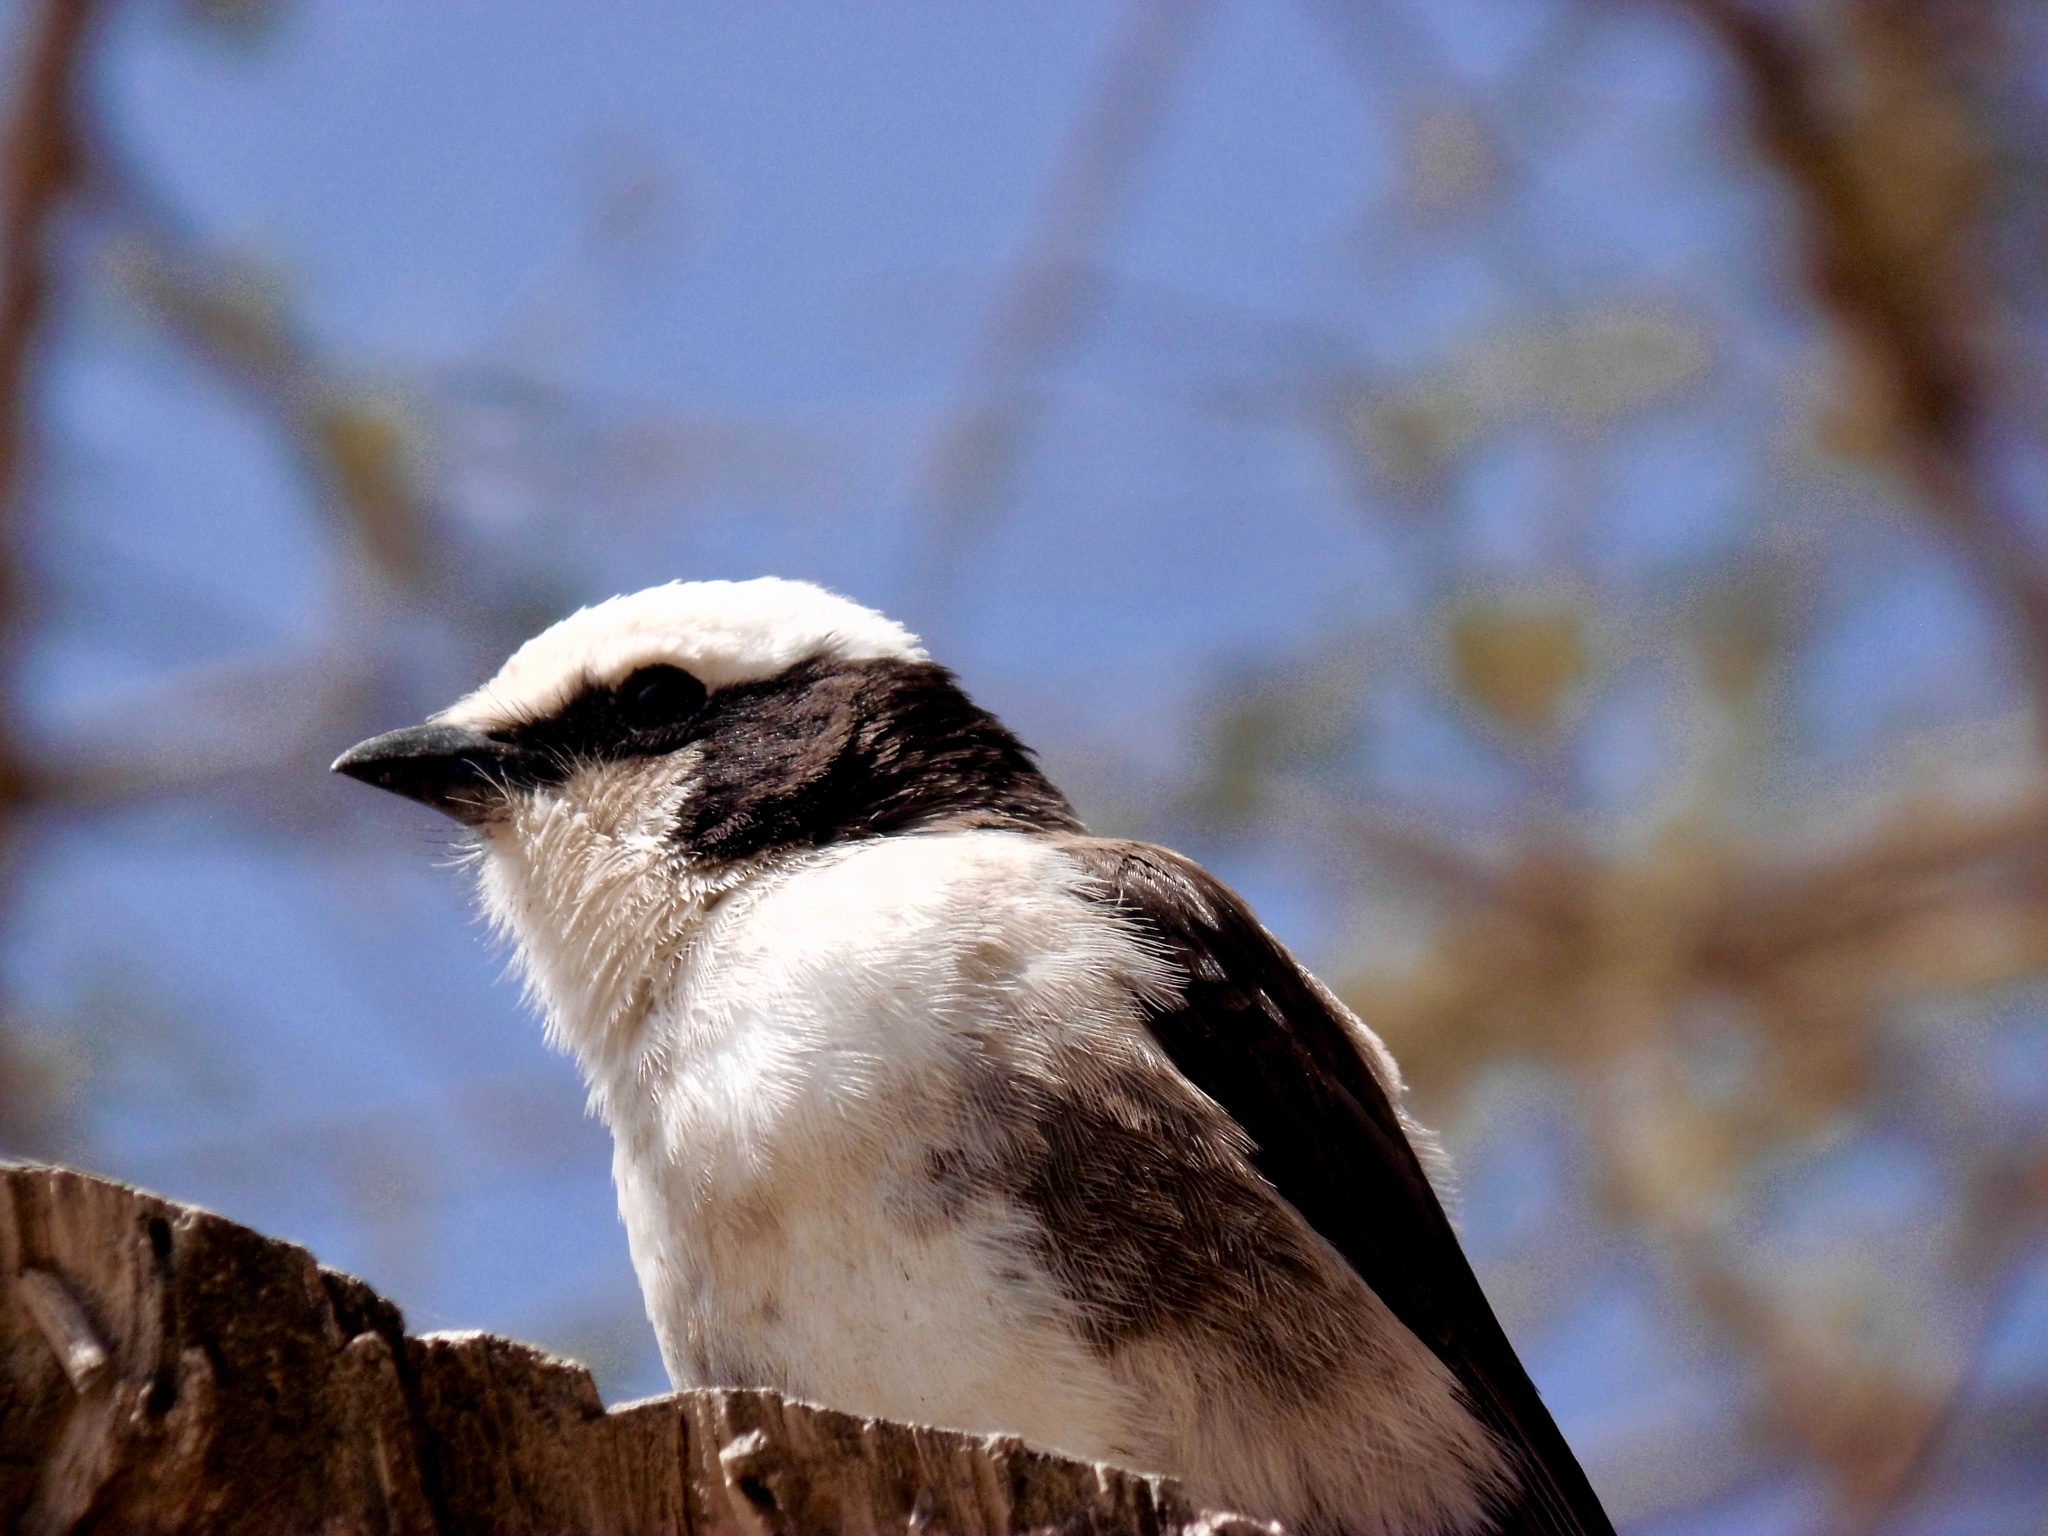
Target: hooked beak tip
<point x="460" y="772"/>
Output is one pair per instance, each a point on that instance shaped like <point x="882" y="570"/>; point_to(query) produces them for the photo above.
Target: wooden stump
<point x="164" y="1369"/>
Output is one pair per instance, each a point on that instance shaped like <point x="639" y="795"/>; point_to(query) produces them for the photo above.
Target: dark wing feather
<point x="1255" y="1034"/>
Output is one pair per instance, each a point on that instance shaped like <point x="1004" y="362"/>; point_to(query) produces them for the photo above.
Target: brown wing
<point x="1252" y="1032"/>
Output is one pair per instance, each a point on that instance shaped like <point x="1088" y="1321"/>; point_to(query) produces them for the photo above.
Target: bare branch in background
<point x="355" y="446"/>
<point x="1598" y="964"/>
<point x="1893" y="168"/>
<point x="1045" y="307"/>
<point x="41" y="162"/>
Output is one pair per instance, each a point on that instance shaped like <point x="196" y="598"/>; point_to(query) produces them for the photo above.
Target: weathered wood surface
<point x="164" y="1369"/>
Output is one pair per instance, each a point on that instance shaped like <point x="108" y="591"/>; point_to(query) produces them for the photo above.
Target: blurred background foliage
<point x="1548" y="496"/>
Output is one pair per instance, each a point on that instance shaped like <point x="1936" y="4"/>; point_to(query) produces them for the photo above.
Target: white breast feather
<point x="772" y="1110"/>
<point x="771" y="1047"/>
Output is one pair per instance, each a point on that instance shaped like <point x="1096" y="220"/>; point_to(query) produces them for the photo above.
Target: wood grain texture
<point x="240" y="1387"/>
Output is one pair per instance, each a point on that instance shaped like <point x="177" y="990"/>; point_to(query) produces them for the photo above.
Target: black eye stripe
<point x="823" y="752"/>
<point x="655" y="698"/>
<point x="654" y="710"/>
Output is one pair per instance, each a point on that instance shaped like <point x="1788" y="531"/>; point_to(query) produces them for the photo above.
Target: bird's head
<point x="647" y="751"/>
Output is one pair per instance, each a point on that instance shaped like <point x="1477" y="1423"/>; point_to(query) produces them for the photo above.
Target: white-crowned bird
<point x="927" y="1104"/>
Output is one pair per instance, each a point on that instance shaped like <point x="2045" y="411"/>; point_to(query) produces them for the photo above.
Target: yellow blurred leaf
<point x="235" y="310"/>
<point x="1518" y="663"/>
<point x="1739" y="629"/>
<point x="1577" y="371"/>
<point x="1413" y="436"/>
<point x="365" y="447"/>
<point x="1597" y="366"/>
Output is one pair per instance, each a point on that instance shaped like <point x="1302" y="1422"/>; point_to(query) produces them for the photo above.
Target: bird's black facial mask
<point x="825" y="752"/>
<point x="467" y="773"/>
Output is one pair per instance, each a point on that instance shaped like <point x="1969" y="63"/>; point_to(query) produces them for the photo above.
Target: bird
<point x="927" y="1104"/>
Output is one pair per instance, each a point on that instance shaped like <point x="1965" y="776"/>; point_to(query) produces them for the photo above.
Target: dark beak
<point x="460" y="772"/>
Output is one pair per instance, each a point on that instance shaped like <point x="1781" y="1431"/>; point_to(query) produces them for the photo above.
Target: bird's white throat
<point x="600" y="905"/>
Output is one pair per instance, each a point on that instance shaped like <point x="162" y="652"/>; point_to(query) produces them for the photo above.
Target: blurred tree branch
<point x="1595" y="963"/>
<point x="1047" y="302"/>
<point x="355" y="447"/>
<point x="41" y="161"/>
<point x="1874" y="131"/>
<point x="1612" y="963"/>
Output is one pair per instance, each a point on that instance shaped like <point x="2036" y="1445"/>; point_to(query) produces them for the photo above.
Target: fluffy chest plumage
<point x="791" y="1133"/>
<point x="892" y="1131"/>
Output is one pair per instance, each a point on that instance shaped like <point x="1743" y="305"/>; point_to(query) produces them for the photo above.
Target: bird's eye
<point x="655" y="697"/>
